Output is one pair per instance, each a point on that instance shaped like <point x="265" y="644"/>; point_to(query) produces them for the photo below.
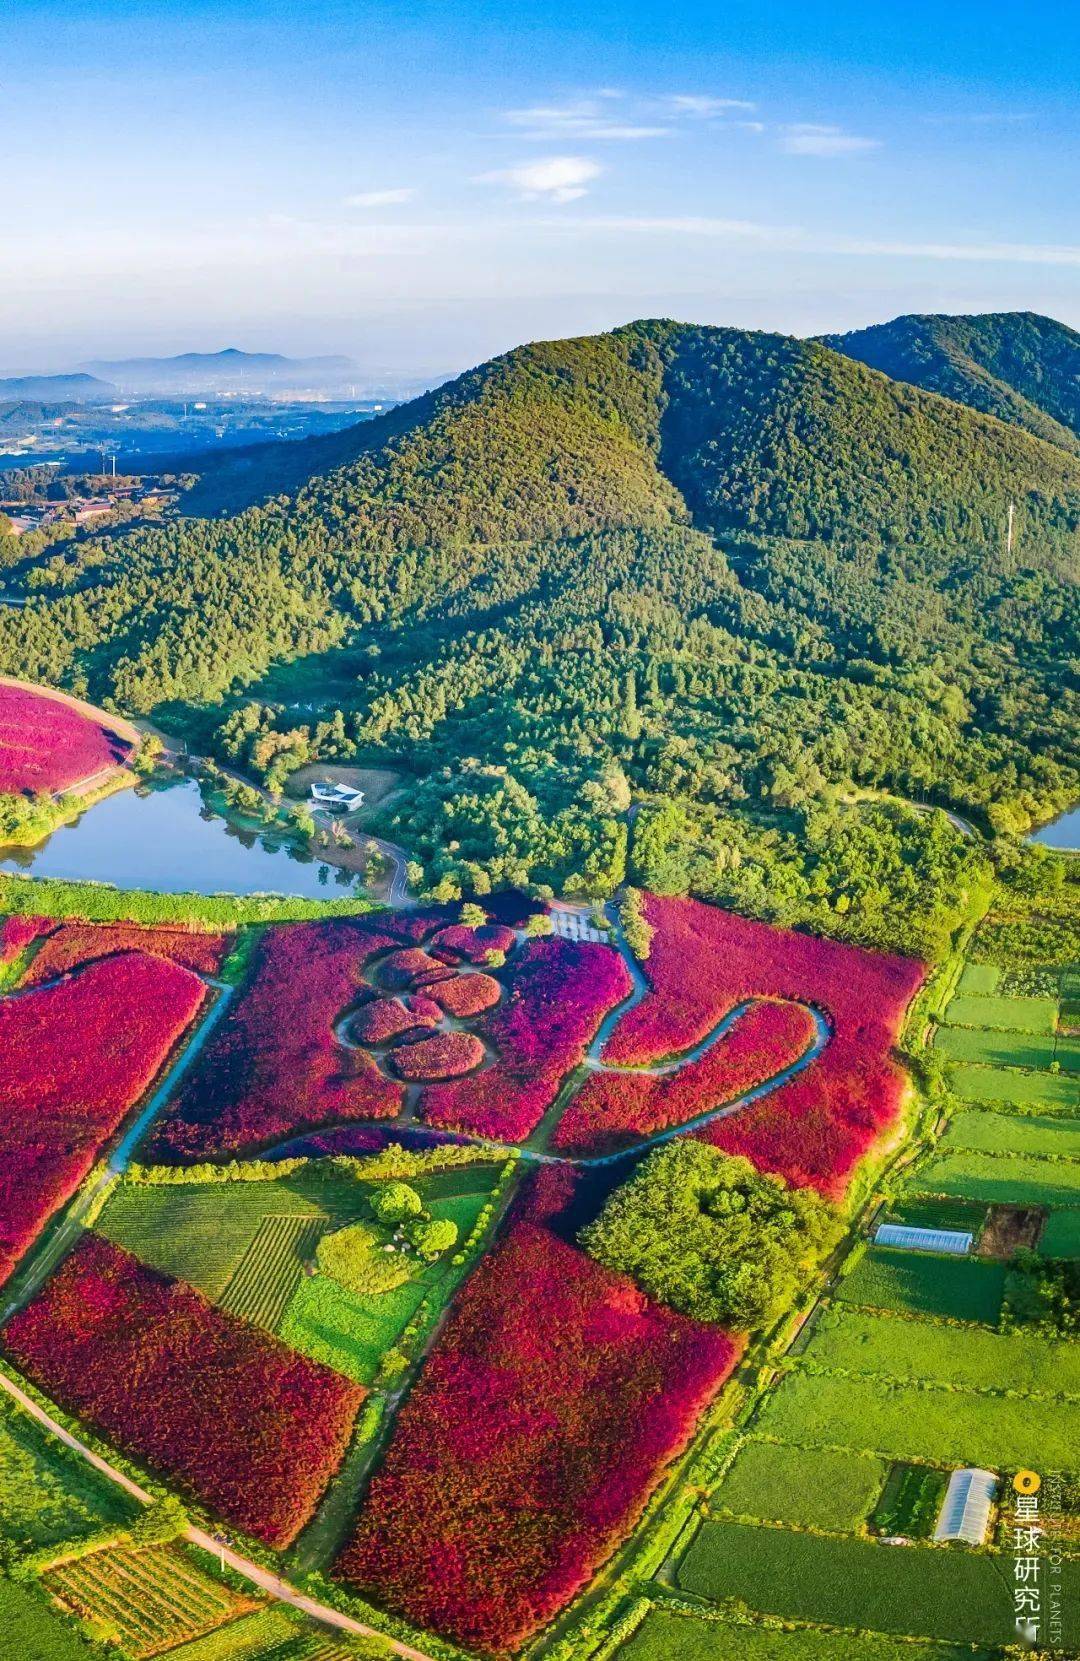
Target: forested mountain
<point x="1023" y="368"/>
<point x="761" y="585"/>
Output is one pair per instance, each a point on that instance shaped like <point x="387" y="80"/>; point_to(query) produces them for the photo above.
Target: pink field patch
<point x="474" y="944"/>
<point x="543" y="1420"/>
<point x="445" y="1055"/>
<point x="814" y="1129"/>
<point x="70" y="944"/>
<point x="614" y="1110"/>
<point x="19" y="931"/>
<point x="76" y="1058"/>
<point x="250" y="1428"/>
<point x="559" y="992"/>
<point x="412" y="967"/>
<point x="467" y="995"/>
<point x="384" y="1019"/>
<point x="46" y="745"/>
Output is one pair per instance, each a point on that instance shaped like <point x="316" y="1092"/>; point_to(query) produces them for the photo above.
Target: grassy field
<point x="994" y="1049"/>
<point x="665" y="1636"/>
<point x="1033" y="1015"/>
<point x="807" y="1487"/>
<point x="34" y="1631"/>
<point x="969" y="1357"/>
<point x="147" y="1600"/>
<point x="902" y="1421"/>
<point x="49" y="1494"/>
<point x="1019" y="1181"/>
<point x="269" y="1271"/>
<point x="965" y="1215"/>
<point x="1061" y="1236"/>
<point x="978" y="980"/>
<point x="917" y="1590"/>
<point x="1039" y="1135"/>
<point x="1048" y="1092"/>
<point x="963" y="1288"/>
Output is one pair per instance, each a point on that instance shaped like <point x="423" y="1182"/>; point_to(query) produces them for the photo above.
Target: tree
<point x="395" y="1202"/>
<point x="431" y="1236"/>
<point x="712" y="1236"/>
<point x="473" y="916"/>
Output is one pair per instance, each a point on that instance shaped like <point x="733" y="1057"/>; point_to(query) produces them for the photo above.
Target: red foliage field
<point x="539" y="1427"/>
<point x="72" y="943"/>
<point x="559" y="992"/>
<point x="411" y="967"/>
<point x="274" y="1067"/>
<point x="76" y="1057"/>
<point x="47" y="745"/>
<point x="19" y="931"/>
<point x="445" y="1055"/>
<point x="814" y="1129"/>
<point x="384" y="1019"/>
<point x="474" y="944"/>
<point x="250" y="1428"/>
<point x="467" y="994"/>
<point x="614" y="1109"/>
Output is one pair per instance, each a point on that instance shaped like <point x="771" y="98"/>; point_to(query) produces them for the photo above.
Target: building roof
<point x="965" y="1510"/>
<point x="953" y="1240"/>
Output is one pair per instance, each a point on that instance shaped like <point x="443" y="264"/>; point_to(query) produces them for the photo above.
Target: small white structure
<point x="336" y="798"/>
<point x="965" y="1510"/>
<point x="955" y="1241"/>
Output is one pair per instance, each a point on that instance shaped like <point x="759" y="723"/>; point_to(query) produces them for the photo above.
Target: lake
<point x="168" y="840"/>
<point x="1062" y="833"/>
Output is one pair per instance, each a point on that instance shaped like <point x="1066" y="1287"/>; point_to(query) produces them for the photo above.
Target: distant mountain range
<point x="56" y="389"/>
<point x="228" y="371"/>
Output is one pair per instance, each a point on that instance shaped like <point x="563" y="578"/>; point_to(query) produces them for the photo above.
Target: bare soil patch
<point x="1010" y="1227"/>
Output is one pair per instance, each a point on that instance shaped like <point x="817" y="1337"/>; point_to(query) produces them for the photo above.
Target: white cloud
<point x="380" y="198"/>
<point x="701" y="105"/>
<point x="809" y="138"/>
<point x="583" y="118"/>
<point x="555" y="179"/>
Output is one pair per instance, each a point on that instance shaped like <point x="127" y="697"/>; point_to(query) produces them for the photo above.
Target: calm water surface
<point x="169" y="841"/>
<point x="1063" y="833"/>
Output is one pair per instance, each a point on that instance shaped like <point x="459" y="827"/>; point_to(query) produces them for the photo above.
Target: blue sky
<point x="420" y="185"/>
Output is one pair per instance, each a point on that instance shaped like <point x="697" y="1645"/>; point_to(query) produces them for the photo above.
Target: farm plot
<point x="1030" y="1134"/>
<point x="269" y="1271"/>
<point x="49" y="742"/>
<point x="962" y="1596"/>
<point x="70" y="944"/>
<point x="962" y="1289"/>
<point x="997" y="1181"/>
<point x="149" y="1600"/>
<point x="33" y="1628"/>
<point x="1061" y="1236"/>
<point x="1030" y="1015"/>
<point x="969" y="1358"/>
<point x="1042" y="1092"/>
<point x="994" y="1049"/>
<point x="49" y="1494"/>
<point x="978" y="980"/>
<point x="906" y="1421"/>
<point x="803" y="1487"/>
<point x="678" y="1635"/>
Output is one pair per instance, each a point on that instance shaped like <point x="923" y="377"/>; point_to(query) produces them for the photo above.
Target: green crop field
<point x="1013" y="1133"/>
<point x="34" y="1630"/>
<point x="346" y="1330"/>
<point x="671" y="1636"/>
<point x="1049" y="1092"/>
<point x="1004" y="1433"/>
<point x="150" y="1600"/>
<point x="49" y="1494"/>
<point x="1019" y="1181"/>
<point x="848" y="1582"/>
<point x="269" y="1271"/>
<point x="965" y="1215"/>
<point x="1061" y="1236"/>
<point x="808" y="1487"/>
<point x="969" y="1357"/>
<point x="1034" y="1015"/>
<point x="979" y="980"/>
<point x="964" y="1288"/>
<point x="263" y="1636"/>
<point x="994" y="1049"/>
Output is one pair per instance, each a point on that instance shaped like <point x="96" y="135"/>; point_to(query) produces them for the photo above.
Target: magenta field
<point x="48" y="745"/>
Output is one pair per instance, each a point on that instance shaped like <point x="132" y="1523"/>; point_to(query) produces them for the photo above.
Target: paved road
<point x="267" y="1582"/>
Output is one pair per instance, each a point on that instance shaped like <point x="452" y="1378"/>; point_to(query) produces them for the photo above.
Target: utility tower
<point x="1009" y="530"/>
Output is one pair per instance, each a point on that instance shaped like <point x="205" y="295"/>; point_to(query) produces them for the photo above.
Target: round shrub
<point x="395" y="1202"/>
<point x="357" y="1259"/>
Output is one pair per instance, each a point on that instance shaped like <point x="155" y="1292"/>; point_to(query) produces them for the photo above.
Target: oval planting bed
<point x="411" y="967"/>
<point x="467" y="994"/>
<point x="446" y="1055"/>
<point x="473" y="945"/>
<point x="384" y="1019"/>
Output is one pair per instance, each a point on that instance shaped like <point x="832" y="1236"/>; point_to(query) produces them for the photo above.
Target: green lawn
<point x="349" y="1332"/>
<point x="994" y="1049"/>
<point x="1061" y="1236"/>
<point x="1014" y="1133"/>
<point x="808" y="1487"/>
<point x="1034" y="1015"/>
<point x="979" y="980"/>
<point x="35" y="1631"/>
<point x="1019" y="1181"/>
<point x="665" y="1636"/>
<point x="904" y="1422"/>
<point x="964" y="1596"/>
<point x="969" y="1357"/>
<point x="47" y="1493"/>
<point x="1052" y="1093"/>
<point x="966" y="1289"/>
